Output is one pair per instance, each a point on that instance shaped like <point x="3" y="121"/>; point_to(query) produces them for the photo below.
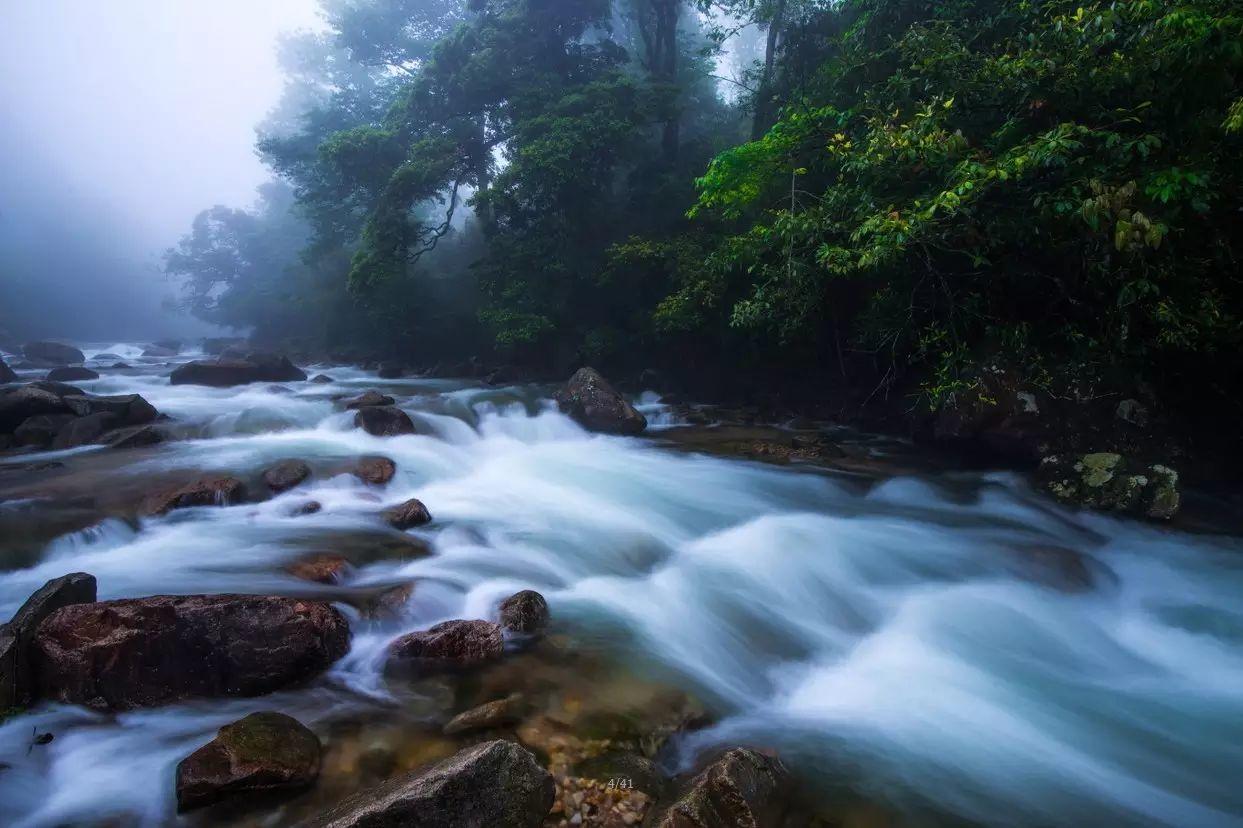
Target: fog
<point x="119" y="122"/>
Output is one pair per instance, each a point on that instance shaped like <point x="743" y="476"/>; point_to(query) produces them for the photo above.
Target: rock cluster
<point x="53" y="415"/>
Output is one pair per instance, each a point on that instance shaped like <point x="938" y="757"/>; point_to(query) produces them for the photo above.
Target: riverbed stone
<point x="206" y="491"/>
<point x="383" y="421"/>
<point x="496" y="784"/>
<point x="743" y="787"/>
<point x="525" y="613"/>
<point x="448" y="646"/>
<point x="263" y="753"/>
<point x="408" y="515"/>
<point x="71" y="373"/>
<point x="592" y="401"/>
<point x="285" y="475"/>
<point x="240" y="369"/>
<point x="17" y="683"/>
<point x="143" y="652"/>
<point x="375" y="470"/>
<point x="52" y="353"/>
<point x="367" y="398"/>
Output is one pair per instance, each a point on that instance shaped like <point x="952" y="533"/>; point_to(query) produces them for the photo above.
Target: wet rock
<point x="7" y="374"/>
<point x="72" y="373"/>
<point x="285" y="475"/>
<point x="450" y="645"/>
<point x="525" y="613"/>
<point x="17" y="681"/>
<point x="238" y="369"/>
<point x="129" y="409"/>
<point x="52" y="353"/>
<point x="20" y="404"/>
<point x="207" y="491"/>
<point x="408" y="515"/>
<point x="264" y="752"/>
<point x="489" y="716"/>
<point x="387" y="603"/>
<point x="590" y="400"/>
<point x="59" y="389"/>
<point x="322" y="379"/>
<point x="133" y="437"/>
<point x="82" y="431"/>
<point x="383" y="421"/>
<point x="741" y="788"/>
<point x="322" y="569"/>
<point x="367" y="398"/>
<point x="391" y="370"/>
<point x="41" y="430"/>
<point x="375" y="470"/>
<point x="144" y="652"/>
<point x="1110" y="482"/>
<point x="495" y="784"/>
<point x="310" y="507"/>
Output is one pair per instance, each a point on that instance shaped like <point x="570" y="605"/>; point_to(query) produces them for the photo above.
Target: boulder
<point x="488" y="716"/>
<point x="40" y="430"/>
<point x="16" y="676"/>
<point x="262" y="753"/>
<point x="375" y="470"/>
<point x="408" y="515"/>
<point x="81" y="431"/>
<point x="133" y="437"/>
<point x="128" y="409"/>
<point x="525" y="613"/>
<point x="591" y="401"/>
<point x="367" y="398"/>
<point x="207" y="491"/>
<point x="321" y="569"/>
<point x="1110" y="482"/>
<point x="21" y="404"/>
<point x="142" y="652"/>
<point x="450" y="645"/>
<point x="495" y="784"/>
<point x="322" y="379"/>
<point x="383" y="421"/>
<point x="741" y="788"/>
<point x="52" y="353"/>
<point x="229" y="370"/>
<point x="71" y="373"/>
<point x="285" y="475"/>
<point x="7" y="374"/>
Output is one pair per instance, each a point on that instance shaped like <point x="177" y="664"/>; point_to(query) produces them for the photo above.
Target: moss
<point x="1098" y="469"/>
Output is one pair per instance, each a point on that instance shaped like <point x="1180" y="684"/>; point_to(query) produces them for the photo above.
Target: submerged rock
<point x="449" y="645"/>
<point x="590" y="400"/>
<point x="17" y="682"/>
<point x="264" y="752"/>
<point x="375" y="470"/>
<point x="285" y="475"/>
<point x="408" y="515"/>
<point x="367" y="398"/>
<point x="72" y="373"/>
<point x="741" y="788"/>
<point x="238" y="369"/>
<point x="143" y="652"/>
<point x="525" y="613"/>
<point x="383" y="421"/>
<point x="207" y="491"/>
<point x="1110" y="482"/>
<point x="52" y="353"/>
<point x="494" y="785"/>
<point x="488" y="716"/>
<point x="325" y="568"/>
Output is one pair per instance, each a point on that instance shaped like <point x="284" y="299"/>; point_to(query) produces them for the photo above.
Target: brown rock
<point x="450" y="645"/>
<point x="16" y="675"/>
<point x="207" y="491"/>
<point x="149" y="651"/>
<point x="491" y="785"/>
<point x="596" y="405"/>
<point x="383" y="421"/>
<point x="264" y="752"/>
<point x="285" y="475"/>
<point x="408" y="515"/>
<point x="368" y="398"/>
<point x="322" y="569"/>
<point x="524" y="612"/>
<point x="375" y="470"/>
<point x="488" y="716"/>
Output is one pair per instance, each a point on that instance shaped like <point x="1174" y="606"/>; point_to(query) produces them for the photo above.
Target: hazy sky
<point x="120" y="120"/>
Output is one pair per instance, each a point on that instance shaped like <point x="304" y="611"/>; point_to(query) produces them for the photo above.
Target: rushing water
<point x="887" y="634"/>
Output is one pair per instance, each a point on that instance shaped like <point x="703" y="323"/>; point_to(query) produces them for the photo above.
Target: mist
<point x="121" y="121"/>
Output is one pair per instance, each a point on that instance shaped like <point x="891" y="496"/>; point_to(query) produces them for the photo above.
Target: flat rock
<point x="262" y="753"/>
<point x="143" y="652"/>
<point x="495" y="784"/>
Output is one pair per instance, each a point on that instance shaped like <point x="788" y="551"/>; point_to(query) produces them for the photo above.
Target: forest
<point x="784" y="195"/>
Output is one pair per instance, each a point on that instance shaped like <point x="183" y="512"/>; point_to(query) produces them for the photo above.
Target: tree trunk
<point x="765" y="105"/>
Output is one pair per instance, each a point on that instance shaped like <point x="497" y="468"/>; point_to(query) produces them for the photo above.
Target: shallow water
<point x="903" y="637"/>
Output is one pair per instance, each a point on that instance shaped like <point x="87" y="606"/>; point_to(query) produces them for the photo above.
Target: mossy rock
<point x="1110" y="482"/>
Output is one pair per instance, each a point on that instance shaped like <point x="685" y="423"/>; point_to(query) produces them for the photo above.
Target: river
<point x="885" y="632"/>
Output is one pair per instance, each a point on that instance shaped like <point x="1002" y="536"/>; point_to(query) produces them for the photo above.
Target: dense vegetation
<point x="930" y="185"/>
